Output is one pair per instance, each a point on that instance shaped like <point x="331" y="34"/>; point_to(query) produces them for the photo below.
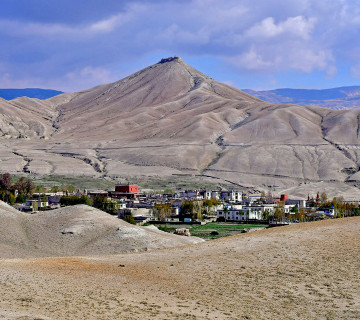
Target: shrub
<point x="164" y="228"/>
<point x="7" y="197"/>
<point x="73" y="200"/>
<point x="20" y="198"/>
<point x="129" y="219"/>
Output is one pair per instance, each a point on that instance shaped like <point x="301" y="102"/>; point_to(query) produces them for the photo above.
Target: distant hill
<point x="9" y="94"/>
<point x="336" y="98"/>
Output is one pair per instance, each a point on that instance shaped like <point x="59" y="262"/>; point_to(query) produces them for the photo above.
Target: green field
<point x="213" y="230"/>
<point x="218" y="230"/>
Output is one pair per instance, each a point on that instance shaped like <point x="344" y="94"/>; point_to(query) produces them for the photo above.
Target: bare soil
<point x="307" y="271"/>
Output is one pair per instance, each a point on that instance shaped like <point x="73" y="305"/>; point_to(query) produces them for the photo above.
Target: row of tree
<point x="17" y="191"/>
<point x="194" y="209"/>
<point x="63" y="188"/>
<point x="74" y="199"/>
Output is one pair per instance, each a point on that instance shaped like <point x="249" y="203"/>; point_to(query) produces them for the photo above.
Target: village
<point x="191" y="207"/>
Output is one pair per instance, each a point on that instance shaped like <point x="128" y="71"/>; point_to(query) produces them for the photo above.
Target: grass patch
<point x="218" y="230"/>
<point x="213" y="230"/>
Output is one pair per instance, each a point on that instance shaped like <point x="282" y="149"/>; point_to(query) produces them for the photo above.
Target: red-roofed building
<point x="125" y="191"/>
<point x="126" y="188"/>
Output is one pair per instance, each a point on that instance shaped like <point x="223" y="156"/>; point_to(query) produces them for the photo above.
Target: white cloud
<point x="18" y="28"/>
<point x="89" y="76"/>
<point x="110" y="24"/>
<point x="10" y="81"/>
<point x="295" y="57"/>
<point x="297" y="26"/>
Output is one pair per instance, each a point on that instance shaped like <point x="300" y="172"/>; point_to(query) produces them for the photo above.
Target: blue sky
<point x="71" y="45"/>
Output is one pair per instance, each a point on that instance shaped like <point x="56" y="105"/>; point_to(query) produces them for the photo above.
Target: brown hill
<point x="305" y="271"/>
<point x="77" y="230"/>
<point x="170" y="119"/>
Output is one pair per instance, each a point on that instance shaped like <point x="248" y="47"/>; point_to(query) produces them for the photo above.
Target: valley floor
<point x="306" y="271"/>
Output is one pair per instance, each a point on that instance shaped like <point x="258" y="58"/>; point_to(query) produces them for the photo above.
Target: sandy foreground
<point x="307" y="271"/>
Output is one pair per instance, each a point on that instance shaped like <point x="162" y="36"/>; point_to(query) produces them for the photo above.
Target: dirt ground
<point x="307" y="271"/>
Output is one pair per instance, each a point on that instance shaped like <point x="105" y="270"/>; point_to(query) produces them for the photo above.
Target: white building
<point x="215" y="194"/>
<point x="32" y="205"/>
<point x="191" y="194"/>
<point x="240" y="214"/>
<point x="231" y="196"/>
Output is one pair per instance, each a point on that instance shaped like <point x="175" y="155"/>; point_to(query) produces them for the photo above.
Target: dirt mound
<point x="77" y="230"/>
<point x="12" y="231"/>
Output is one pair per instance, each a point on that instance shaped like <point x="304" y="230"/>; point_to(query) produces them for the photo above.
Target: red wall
<point x="127" y="188"/>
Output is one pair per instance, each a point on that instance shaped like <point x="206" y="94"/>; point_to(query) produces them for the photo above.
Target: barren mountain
<point x="169" y="120"/>
<point x="77" y="230"/>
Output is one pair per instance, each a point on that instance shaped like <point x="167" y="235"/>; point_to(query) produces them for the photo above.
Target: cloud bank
<point x="100" y="42"/>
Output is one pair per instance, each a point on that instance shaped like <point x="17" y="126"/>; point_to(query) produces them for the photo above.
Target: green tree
<point x="266" y="214"/>
<point x="20" y="198"/>
<point x="323" y="197"/>
<point x="279" y="210"/>
<point x="263" y="196"/>
<point x="300" y="214"/>
<point x="40" y="189"/>
<point x="187" y="207"/>
<point x="130" y="219"/>
<point x="197" y="210"/>
<point x="295" y="209"/>
<point x="7" y="197"/>
<point x="278" y="214"/>
<point x="98" y="202"/>
<point x="68" y="188"/>
<point x="162" y="211"/>
<point x="54" y="189"/>
<point x="73" y="200"/>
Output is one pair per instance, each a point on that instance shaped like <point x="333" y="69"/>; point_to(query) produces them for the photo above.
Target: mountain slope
<point x="336" y="98"/>
<point x="170" y="95"/>
<point x="25" y="118"/>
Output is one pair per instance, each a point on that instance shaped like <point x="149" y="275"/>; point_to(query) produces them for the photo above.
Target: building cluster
<point x="186" y="205"/>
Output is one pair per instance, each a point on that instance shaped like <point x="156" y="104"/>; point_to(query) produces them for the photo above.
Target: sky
<point x="71" y="45"/>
